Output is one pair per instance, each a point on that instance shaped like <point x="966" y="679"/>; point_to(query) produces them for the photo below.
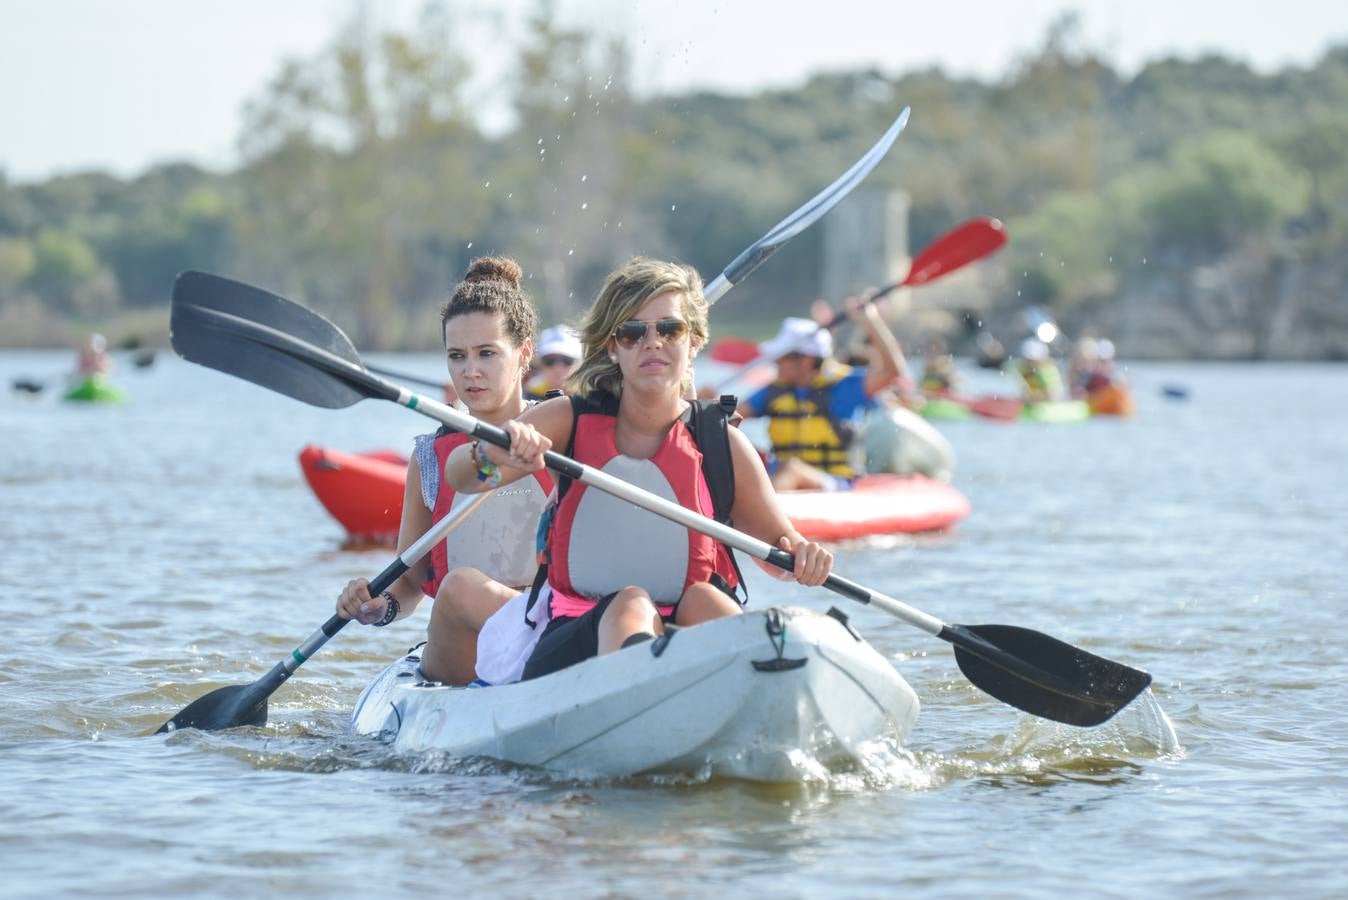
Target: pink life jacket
<point x="598" y="544"/>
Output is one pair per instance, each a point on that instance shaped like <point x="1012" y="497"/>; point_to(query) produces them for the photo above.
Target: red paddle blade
<point x="972" y="240"/>
<point x="734" y="350"/>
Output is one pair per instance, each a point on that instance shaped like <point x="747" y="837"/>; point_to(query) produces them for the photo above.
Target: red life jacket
<point x="446" y="442"/>
<point x="598" y="544"/>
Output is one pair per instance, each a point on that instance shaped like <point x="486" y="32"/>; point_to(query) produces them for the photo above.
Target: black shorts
<point x="569" y="640"/>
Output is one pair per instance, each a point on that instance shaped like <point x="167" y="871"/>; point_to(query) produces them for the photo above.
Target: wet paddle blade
<point x="1042" y="675"/>
<point x="226" y="707"/>
<point x="805" y="216"/>
<point x="253" y="334"/>
<point x="973" y="240"/>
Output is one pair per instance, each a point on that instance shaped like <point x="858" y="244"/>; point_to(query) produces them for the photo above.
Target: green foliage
<point x="1223" y="188"/>
<point x="368" y="182"/>
<point x="66" y="273"/>
<point x="17" y="262"/>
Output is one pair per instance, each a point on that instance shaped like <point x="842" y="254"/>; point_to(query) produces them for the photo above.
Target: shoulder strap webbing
<point x="711" y="421"/>
<point x="711" y="431"/>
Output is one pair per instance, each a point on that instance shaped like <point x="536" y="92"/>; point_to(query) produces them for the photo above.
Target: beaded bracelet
<point x="390" y="612"/>
<point x="487" y="470"/>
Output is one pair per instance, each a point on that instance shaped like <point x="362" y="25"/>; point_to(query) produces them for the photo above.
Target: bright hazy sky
<point x="121" y="84"/>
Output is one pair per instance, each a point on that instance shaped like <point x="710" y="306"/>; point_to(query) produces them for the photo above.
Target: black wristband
<point x="390" y="612"/>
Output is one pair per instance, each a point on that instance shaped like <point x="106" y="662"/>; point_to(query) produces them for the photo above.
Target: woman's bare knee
<point x="703" y="602"/>
<point x="630" y="612"/>
<point x="465" y="598"/>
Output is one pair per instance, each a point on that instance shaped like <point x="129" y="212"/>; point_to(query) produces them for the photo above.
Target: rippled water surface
<point x="159" y="549"/>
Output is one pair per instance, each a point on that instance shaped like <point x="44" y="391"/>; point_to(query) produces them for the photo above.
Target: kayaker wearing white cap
<point x="557" y="357"/>
<point x="814" y="401"/>
<point x="1040" y="379"/>
<point x="1082" y="368"/>
<point x="617" y="573"/>
<point x="488" y="327"/>
<point x="93" y="357"/>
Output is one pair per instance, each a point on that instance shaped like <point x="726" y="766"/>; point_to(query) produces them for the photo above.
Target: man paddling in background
<point x="813" y="403"/>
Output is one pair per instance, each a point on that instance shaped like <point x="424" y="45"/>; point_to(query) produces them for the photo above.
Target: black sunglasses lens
<point x="628" y="333"/>
<point x="671" y="329"/>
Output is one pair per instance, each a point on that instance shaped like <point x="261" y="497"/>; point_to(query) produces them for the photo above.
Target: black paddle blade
<point x="248" y="332"/>
<point x="226" y="707"/>
<point x="1042" y="675"/>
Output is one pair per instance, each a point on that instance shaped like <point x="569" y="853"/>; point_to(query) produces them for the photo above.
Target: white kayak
<point x="901" y="442"/>
<point x="771" y="695"/>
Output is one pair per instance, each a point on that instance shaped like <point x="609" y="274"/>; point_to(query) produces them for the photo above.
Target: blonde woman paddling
<point x="618" y="574"/>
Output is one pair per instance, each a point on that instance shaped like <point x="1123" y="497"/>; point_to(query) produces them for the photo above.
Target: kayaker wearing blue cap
<point x="814" y="401"/>
<point x="488" y="327"/>
<point x="557" y="357"/>
<point x="617" y="573"/>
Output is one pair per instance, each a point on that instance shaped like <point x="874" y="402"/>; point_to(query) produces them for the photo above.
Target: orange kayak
<point x="364" y="493"/>
<point x="1111" y="400"/>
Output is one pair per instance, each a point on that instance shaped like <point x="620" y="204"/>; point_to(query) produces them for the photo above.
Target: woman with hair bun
<point x="488" y="327"/>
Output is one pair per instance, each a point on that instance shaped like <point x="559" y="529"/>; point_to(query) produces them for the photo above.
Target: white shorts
<point x="507" y="640"/>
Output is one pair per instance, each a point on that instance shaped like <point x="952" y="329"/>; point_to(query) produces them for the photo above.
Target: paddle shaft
<point x="569" y="468"/>
<point x="403" y="376"/>
<point x="282" y="346"/>
<point x="838" y="318"/>
<point x="372" y="386"/>
<point x="380" y="583"/>
<point x="966" y="242"/>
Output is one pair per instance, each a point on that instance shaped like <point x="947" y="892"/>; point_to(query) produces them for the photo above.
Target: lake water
<point x="159" y="549"/>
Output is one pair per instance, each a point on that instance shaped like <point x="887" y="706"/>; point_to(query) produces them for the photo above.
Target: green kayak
<point x="1056" y="411"/>
<point x="95" y="389"/>
<point x="945" y="410"/>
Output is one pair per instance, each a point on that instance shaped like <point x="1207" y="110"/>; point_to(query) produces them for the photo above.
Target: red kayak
<point x="1001" y="409"/>
<point x="876" y="504"/>
<point x="364" y="492"/>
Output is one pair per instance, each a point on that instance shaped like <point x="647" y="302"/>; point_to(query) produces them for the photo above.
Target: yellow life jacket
<point x="1042" y="380"/>
<point x="801" y="423"/>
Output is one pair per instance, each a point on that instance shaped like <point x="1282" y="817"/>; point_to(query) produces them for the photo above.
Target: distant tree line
<point x="367" y="182"/>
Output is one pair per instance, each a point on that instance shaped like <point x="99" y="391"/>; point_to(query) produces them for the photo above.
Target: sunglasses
<point x="633" y="331"/>
<point x="552" y="360"/>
